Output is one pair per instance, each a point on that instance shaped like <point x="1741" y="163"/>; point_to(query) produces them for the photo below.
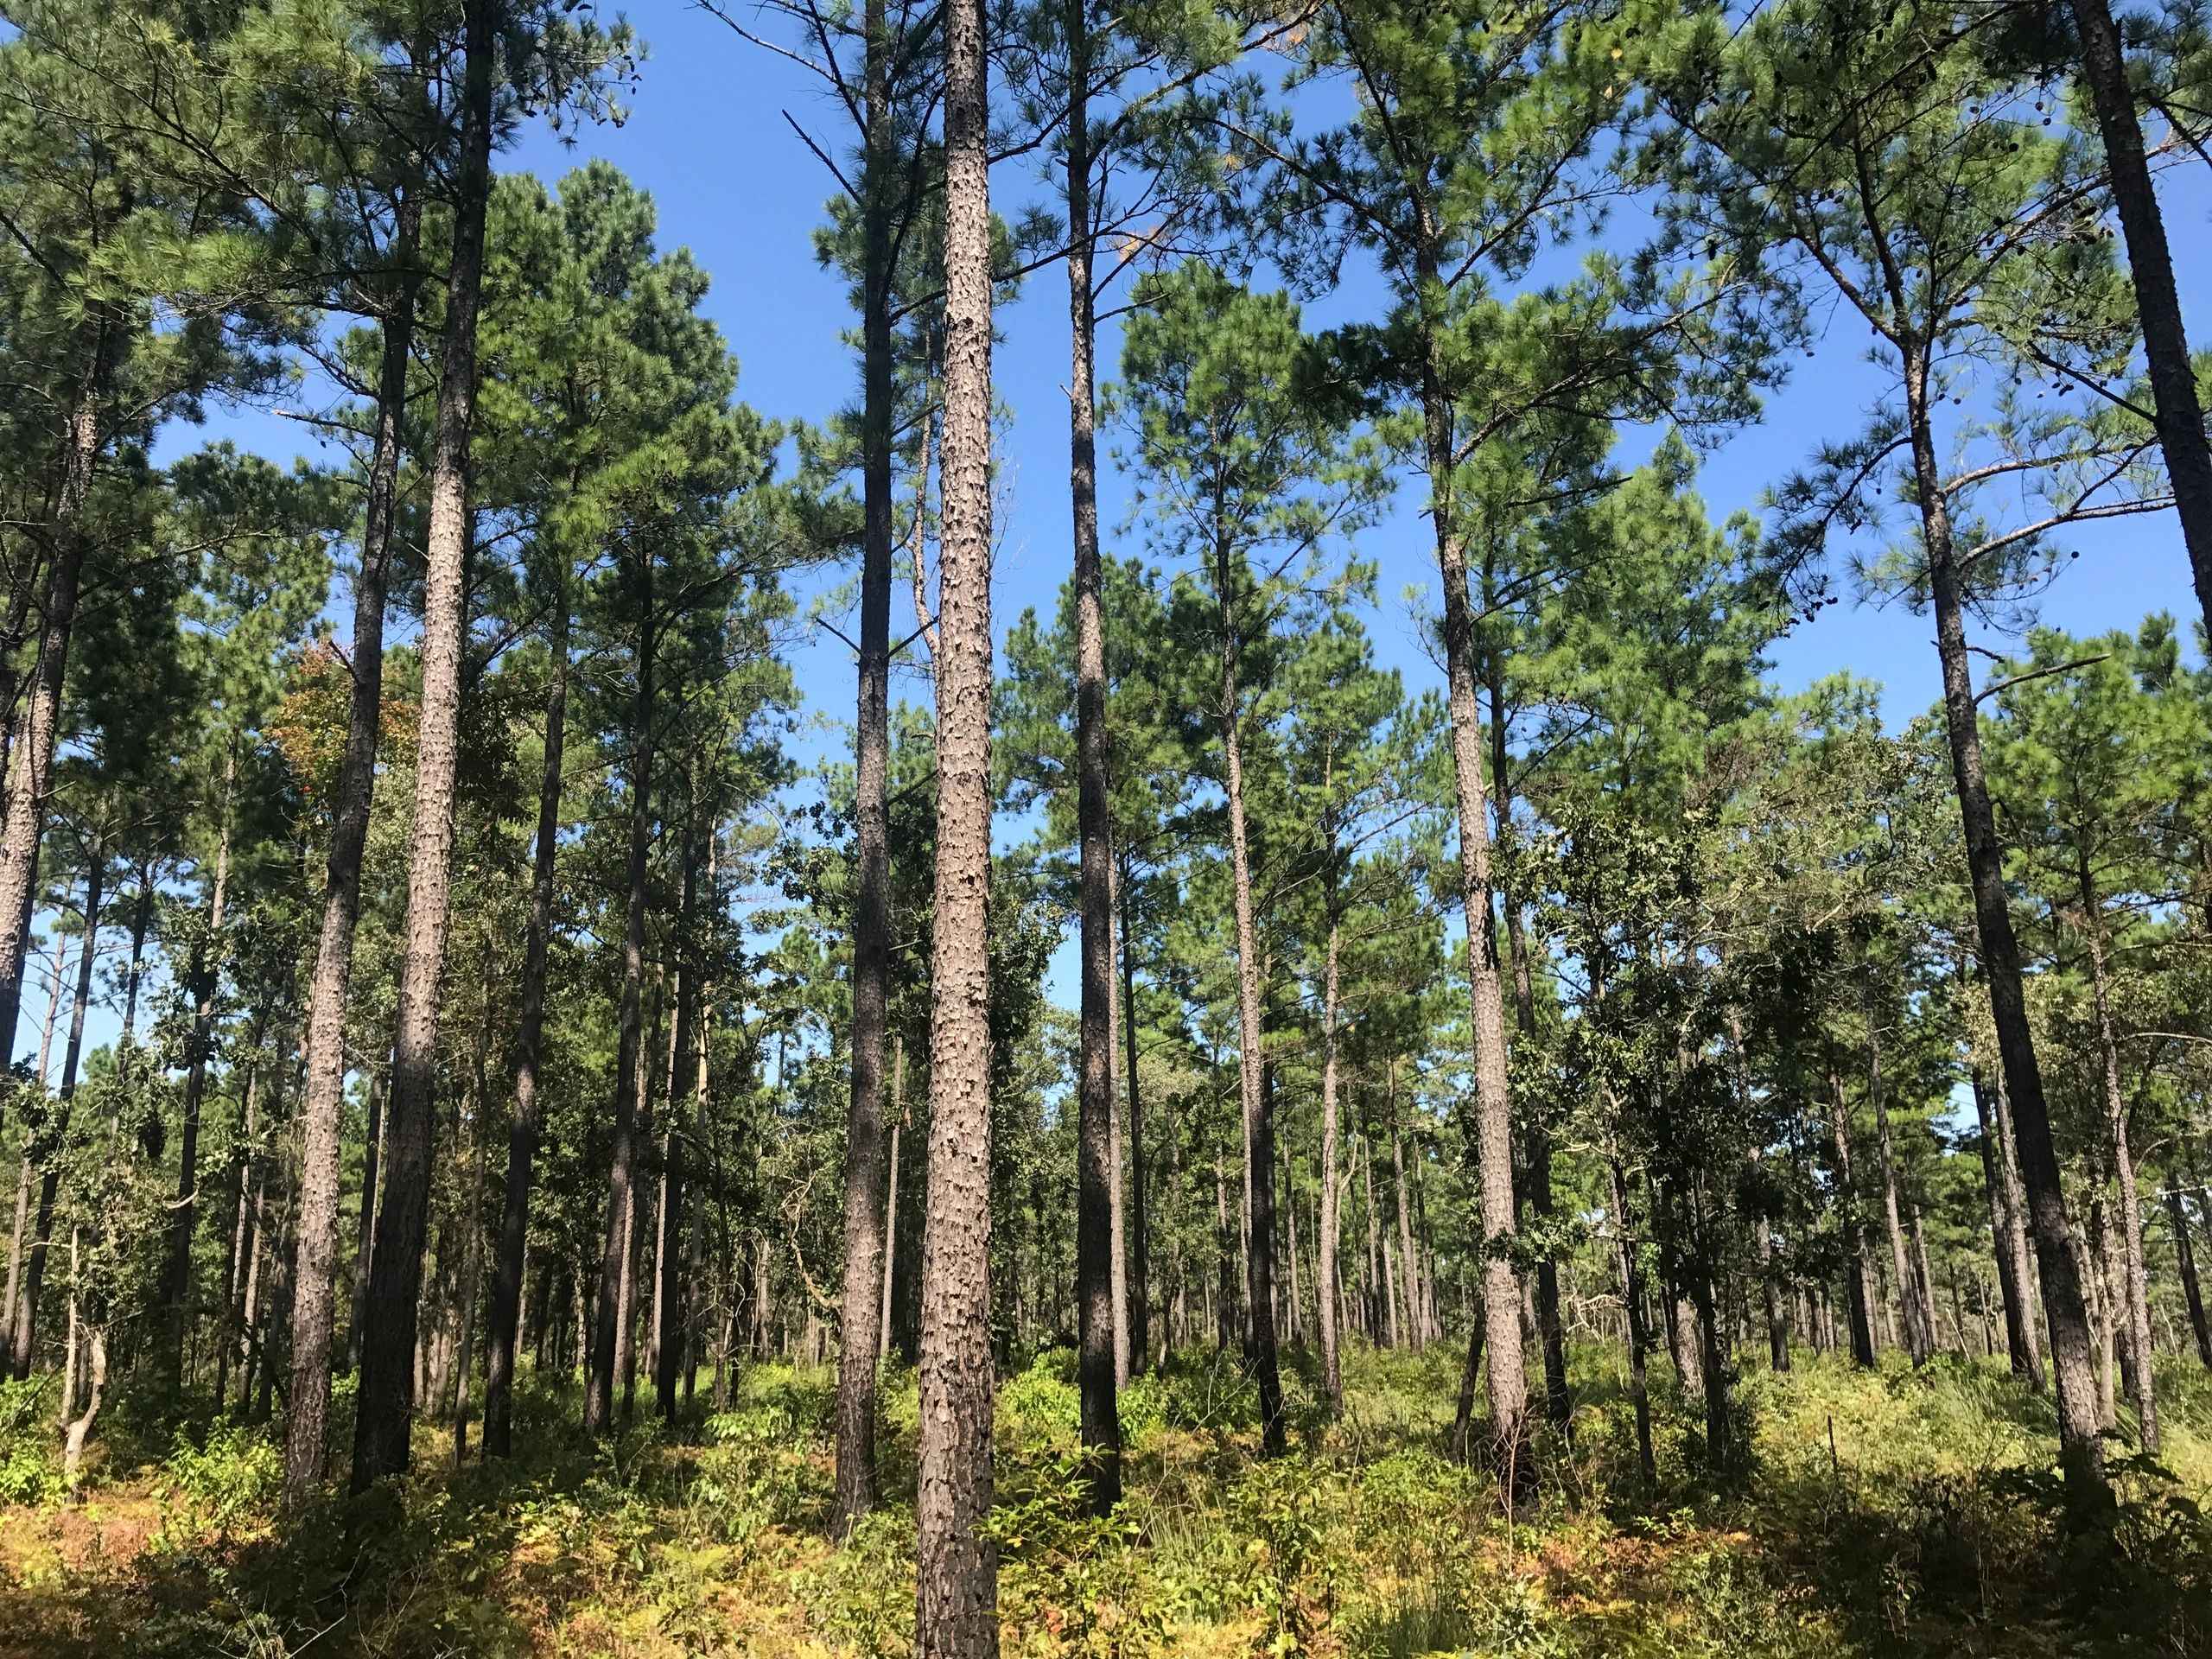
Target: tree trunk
<point x="1259" y="1129"/>
<point x="668" y="1289"/>
<point x="1326" y="1291"/>
<point x="200" y="981"/>
<point x="2185" y="1260"/>
<point x="1408" y="1258"/>
<point x="2133" y="1314"/>
<point x="1101" y="1303"/>
<point x="956" y="1565"/>
<point x="1858" y="1280"/>
<point x="2019" y="1334"/>
<point x="1639" y="1342"/>
<point x="1492" y="1114"/>
<point x="2080" y="1450"/>
<point x="29" y="776"/>
<point x="530" y="1038"/>
<point x="380" y="1438"/>
<point x="1917" y="1340"/>
<point x="865" y="1178"/>
<point x="2180" y="415"/>
<point x="314" y="1311"/>
<point x="364" y="1225"/>
<point x="1139" y="1302"/>
<point x="611" y="1311"/>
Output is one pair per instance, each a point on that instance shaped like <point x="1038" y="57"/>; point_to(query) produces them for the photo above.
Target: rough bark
<point x="2080" y="1450"/>
<point x="1918" y="1340"/>
<point x="1259" y="1129"/>
<point x="530" y="1038"/>
<point x="2134" y="1311"/>
<point x="199" y="979"/>
<point x="380" y="1439"/>
<point x="1101" y="1324"/>
<point x="2185" y="1261"/>
<point x="611" y="1311"/>
<point x="956" y="1564"/>
<point x="29" y="776"/>
<point x="1326" y="1289"/>
<point x="865" y="1244"/>
<point x="2179" y="412"/>
<point x="313" y="1306"/>
<point x="23" y="1310"/>
<point x="1492" y="1116"/>
<point x="1857" y="1279"/>
<point x="2019" y="1334"/>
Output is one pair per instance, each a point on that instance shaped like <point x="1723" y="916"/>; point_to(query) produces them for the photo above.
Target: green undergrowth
<point x="1891" y="1512"/>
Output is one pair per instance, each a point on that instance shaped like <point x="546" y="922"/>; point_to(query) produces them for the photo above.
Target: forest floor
<point x="1895" y="1513"/>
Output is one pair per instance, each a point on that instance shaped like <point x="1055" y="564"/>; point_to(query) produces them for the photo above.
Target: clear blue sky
<point x="707" y="135"/>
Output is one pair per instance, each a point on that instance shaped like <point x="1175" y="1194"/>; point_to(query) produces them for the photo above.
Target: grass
<point x="1934" y="1525"/>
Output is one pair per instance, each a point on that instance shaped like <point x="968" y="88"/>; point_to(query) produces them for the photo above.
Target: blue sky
<point x="708" y="136"/>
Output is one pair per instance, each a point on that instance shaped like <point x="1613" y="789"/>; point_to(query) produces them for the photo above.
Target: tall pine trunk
<point x="1326" y="1288"/>
<point x="2019" y="1331"/>
<point x="1859" y="1282"/>
<point x="1102" y="1325"/>
<point x="530" y="1038"/>
<point x="2080" y="1450"/>
<point x="956" y="1565"/>
<point x="1492" y="1116"/>
<point x="2178" y="413"/>
<point x="313" y="1297"/>
<point x="200" y="980"/>
<point x="1258" y="1127"/>
<point x="612" y="1310"/>
<point x="386" y="1402"/>
<point x="1918" y="1340"/>
<point x="865" y="1244"/>
<point x="29" y="774"/>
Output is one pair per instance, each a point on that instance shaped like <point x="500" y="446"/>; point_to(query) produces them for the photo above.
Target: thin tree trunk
<point x="1139" y="1302"/>
<point x="1408" y="1258"/>
<point x="1918" y="1341"/>
<point x="380" y="1438"/>
<point x="2018" y="1335"/>
<point x="611" y="1313"/>
<point x="1326" y="1291"/>
<point x="1639" y="1343"/>
<point x="365" y="1223"/>
<point x="1857" y="1279"/>
<point x="2185" y="1261"/>
<point x="200" y="979"/>
<point x="956" y="1575"/>
<point x="668" y="1289"/>
<point x="2134" y="1311"/>
<point x="530" y="1037"/>
<point x="1259" y="1129"/>
<point x="2080" y="1449"/>
<point x="1102" y="1300"/>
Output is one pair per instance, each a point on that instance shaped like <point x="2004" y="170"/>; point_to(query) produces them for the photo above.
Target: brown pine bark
<point x="1258" y="1127"/>
<point x="1492" y="1116"/>
<point x="314" y="1298"/>
<point x="1858" y="1280"/>
<point x="956" y="1565"/>
<point x="2185" y="1261"/>
<point x="29" y="773"/>
<point x="1101" y="1304"/>
<point x="365" y="1223"/>
<point x="865" y="1244"/>
<point x="177" y="1293"/>
<point x="611" y="1311"/>
<point x="2133" y="1314"/>
<point x="2063" y="1310"/>
<point x="1326" y="1288"/>
<point x="23" y="1310"/>
<point x="1139" y="1299"/>
<point x="380" y="1439"/>
<point x="668" y="1289"/>
<point x="505" y="1312"/>
<point x="2179" y="413"/>
<point x="1918" y="1341"/>
<point x="2019" y="1334"/>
